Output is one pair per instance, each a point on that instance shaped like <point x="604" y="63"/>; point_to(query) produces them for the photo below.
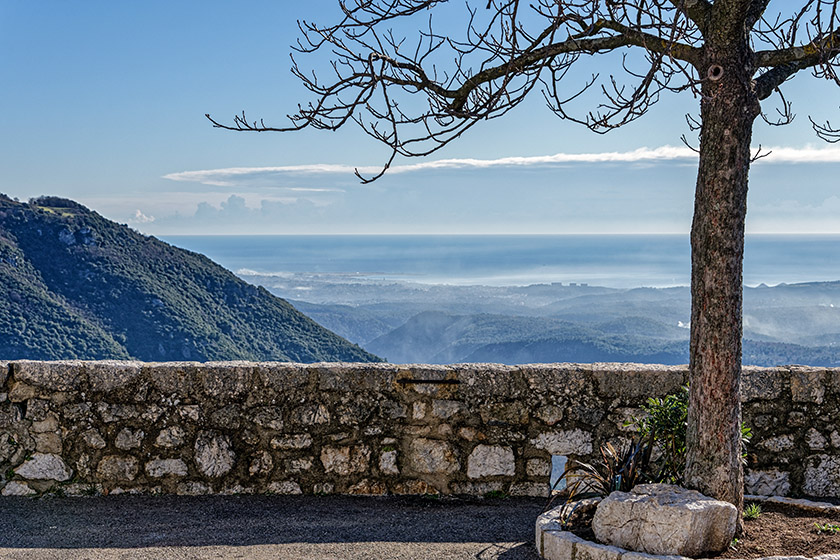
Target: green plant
<point x="830" y="528"/>
<point x="734" y="544"/>
<point x="496" y="494"/>
<point x="664" y="428"/>
<point x="388" y="448"/>
<point x="752" y="511"/>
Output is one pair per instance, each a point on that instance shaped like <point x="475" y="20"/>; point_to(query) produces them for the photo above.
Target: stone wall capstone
<point x="79" y="428"/>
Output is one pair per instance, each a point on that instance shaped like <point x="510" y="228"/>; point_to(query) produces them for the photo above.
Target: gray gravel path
<point x="266" y="527"/>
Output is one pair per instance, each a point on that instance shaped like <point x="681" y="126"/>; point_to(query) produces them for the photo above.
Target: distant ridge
<point x="78" y="286"/>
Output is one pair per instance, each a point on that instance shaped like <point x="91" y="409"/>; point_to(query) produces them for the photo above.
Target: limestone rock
<point x="345" y="460"/>
<point x="388" y="463"/>
<point x="173" y="436"/>
<point x="294" y="441"/>
<point x="213" y="454"/>
<point x="45" y="466"/>
<point x="665" y="519"/>
<point x="491" y="460"/>
<point x="432" y="456"/>
<point x="564" y="442"/>
<point x="261" y="464"/>
<point x="772" y="482"/>
<point x="114" y="467"/>
<point x="129" y="439"/>
<point x="285" y="487"/>
<point x="15" y="488"/>
<point x="822" y="476"/>
<point x="158" y="468"/>
<point x="93" y="439"/>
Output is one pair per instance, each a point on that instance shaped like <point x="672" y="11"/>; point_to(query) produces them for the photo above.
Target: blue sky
<point x="104" y="102"/>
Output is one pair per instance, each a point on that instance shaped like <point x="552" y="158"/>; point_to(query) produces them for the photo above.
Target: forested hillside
<point x="76" y="285"/>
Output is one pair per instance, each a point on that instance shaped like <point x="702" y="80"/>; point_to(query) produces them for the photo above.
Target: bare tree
<point x="418" y="94"/>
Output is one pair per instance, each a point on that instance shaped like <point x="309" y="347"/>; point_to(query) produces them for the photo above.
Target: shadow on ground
<point x="497" y="528"/>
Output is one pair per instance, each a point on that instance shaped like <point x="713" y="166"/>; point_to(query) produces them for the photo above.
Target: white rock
<point x="45" y="466"/>
<point x="432" y="456"/>
<point x="772" y="482"/>
<point x="665" y="519"/>
<point x="173" y="436"/>
<point x="491" y="460"/>
<point x="15" y="488"/>
<point x="285" y="487"/>
<point x="129" y="439"/>
<point x="346" y="459"/>
<point x="564" y="442"/>
<point x="388" y="463"/>
<point x="213" y="454"/>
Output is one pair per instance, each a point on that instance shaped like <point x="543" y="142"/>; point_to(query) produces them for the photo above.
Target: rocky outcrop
<point x="664" y="519"/>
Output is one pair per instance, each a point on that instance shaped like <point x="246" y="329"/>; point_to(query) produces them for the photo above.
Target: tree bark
<point x="728" y="108"/>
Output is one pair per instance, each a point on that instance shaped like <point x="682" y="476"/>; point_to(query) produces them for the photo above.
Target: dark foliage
<point x="80" y="286"/>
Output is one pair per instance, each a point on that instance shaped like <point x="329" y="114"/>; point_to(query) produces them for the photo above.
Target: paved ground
<point x="266" y="527"/>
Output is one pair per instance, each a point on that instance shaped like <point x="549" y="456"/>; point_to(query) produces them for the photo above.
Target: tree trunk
<point x="728" y="109"/>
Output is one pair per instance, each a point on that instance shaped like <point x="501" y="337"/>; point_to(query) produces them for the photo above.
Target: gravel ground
<point x="266" y="527"/>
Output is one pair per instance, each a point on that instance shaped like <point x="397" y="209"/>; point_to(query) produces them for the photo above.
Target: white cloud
<point x="140" y="218"/>
<point x="233" y="176"/>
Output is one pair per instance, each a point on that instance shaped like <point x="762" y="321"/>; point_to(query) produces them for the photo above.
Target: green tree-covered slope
<point x="76" y="285"/>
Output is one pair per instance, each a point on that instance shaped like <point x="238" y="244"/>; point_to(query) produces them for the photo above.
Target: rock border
<point x="553" y="543"/>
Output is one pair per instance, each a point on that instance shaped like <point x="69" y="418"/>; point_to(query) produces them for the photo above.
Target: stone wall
<point x="235" y="427"/>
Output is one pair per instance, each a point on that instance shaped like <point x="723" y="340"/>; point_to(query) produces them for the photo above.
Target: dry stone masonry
<point x="79" y="428"/>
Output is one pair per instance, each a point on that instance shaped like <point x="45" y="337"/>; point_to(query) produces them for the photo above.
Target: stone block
<point x="173" y="436"/>
<point x="48" y="424"/>
<point x="51" y="376"/>
<point x="45" y="466"/>
<point x="778" y="443"/>
<point x="532" y="489"/>
<point x="538" y="468"/>
<point x="772" y="482"/>
<point x="129" y="439"/>
<point x="388" y="463"/>
<point x="665" y="519"/>
<point x="822" y="476"/>
<point x="21" y="392"/>
<point x="47" y="443"/>
<point x="550" y="414"/>
<point x="312" y="414"/>
<point x="815" y="439"/>
<point x="564" y="442"/>
<point x="761" y="383"/>
<point x="287" y="487"/>
<point x="261" y="464"/>
<point x="586" y="550"/>
<point x="558" y="545"/>
<point x="368" y="488"/>
<point x="226" y="381"/>
<point x="16" y="488"/>
<point x="159" y="468"/>
<point x="345" y="460"/>
<point x="639" y="381"/>
<point x="446" y="409"/>
<point x="807" y="385"/>
<point x="431" y="456"/>
<point x="114" y="468"/>
<point x="414" y="487"/>
<point x="213" y="454"/>
<point x="268" y="417"/>
<point x="107" y="376"/>
<point x="323" y="488"/>
<point x="491" y="460"/>
<point x="93" y="439"/>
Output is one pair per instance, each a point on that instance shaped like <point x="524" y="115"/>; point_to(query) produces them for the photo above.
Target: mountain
<point x="78" y="286"/>
<point x="405" y="322"/>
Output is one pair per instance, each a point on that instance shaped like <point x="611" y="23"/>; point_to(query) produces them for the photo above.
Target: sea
<point x="619" y="261"/>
